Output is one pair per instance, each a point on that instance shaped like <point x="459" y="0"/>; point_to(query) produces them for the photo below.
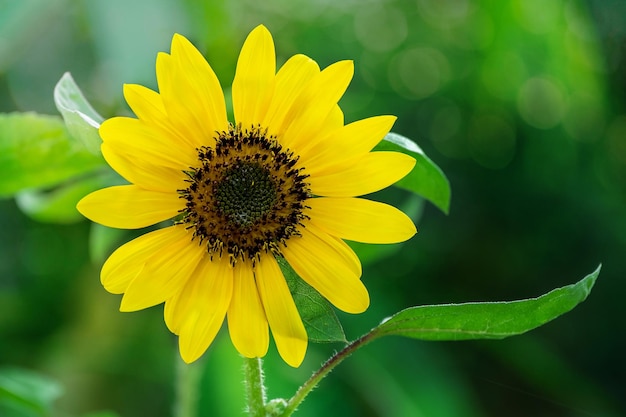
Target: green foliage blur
<point x="521" y="103"/>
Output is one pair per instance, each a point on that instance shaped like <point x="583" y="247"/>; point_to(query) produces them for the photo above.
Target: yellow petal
<point x="165" y="272"/>
<point x="282" y="314"/>
<point x="129" y="259"/>
<point x="313" y="106"/>
<point x="207" y="295"/>
<point x="148" y="107"/>
<point x="324" y="264"/>
<point x="309" y="149"/>
<point x="176" y="307"/>
<point x="349" y="141"/>
<point x="147" y="143"/>
<point x="143" y="174"/>
<point x="168" y="80"/>
<point x="254" y="78"/>
<point x="361" y="220"/>
<point x="129" y="207"/>
<point x="291" y="80"/>
<point x="247" y="323"/>
<point x="333" y="121"/>
<point x="372" y="172"/>
<point x="145" y="103"/>
<point x="341" y="250"/>
<point x="181" y="102"/>
<point x="203" y="87"/>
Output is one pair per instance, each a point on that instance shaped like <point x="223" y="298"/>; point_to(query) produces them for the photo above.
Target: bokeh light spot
<point x="444" y="13"/>
<point x="538" y="16"/>
<point x="476" y="32"/>
<point x="503" y="73"/>
<point x="379" y="28"/>
<point x="419" y="72"/>
<point x="541" y="103"/>
<point x="578" y="24"/>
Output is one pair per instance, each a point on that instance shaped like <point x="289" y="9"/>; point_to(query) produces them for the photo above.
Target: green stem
<point x="187" y="388"/>
<point x="328" y="366"/>
<point x="255" y="390"/>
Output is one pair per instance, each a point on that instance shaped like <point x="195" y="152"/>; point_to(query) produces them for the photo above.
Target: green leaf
<point x="485" y="320"/>
<point x="26" y="393"/>
<point x="426" y="178"/>
<point x="81" y="119"/>
<point x="35" y="152"/>
<point x="58" y="205"/>
<point x="319" y="318"/>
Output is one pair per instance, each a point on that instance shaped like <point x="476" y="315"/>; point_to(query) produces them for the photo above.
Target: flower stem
<point x="326" y="368"/>
<point x="255" y="390"/>
<point x="187" y="388"/>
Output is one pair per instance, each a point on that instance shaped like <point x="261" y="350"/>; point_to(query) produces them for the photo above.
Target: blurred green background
<point x="520" y="102"/>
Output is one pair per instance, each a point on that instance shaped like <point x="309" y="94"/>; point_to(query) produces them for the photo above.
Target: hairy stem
<point x="255" y="390"/>
<point x="326" y="368"/>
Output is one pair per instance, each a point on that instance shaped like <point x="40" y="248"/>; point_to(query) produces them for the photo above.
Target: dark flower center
<point x="246" y="193"/>
<point x="245" y="196"/>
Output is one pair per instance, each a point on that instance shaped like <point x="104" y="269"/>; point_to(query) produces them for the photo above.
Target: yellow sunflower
<point x="281" y="181"/>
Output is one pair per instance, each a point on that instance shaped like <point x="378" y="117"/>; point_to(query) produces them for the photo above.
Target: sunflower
<point x="282" y="181"/>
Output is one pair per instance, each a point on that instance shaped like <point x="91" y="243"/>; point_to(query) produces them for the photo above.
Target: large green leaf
<point x="485" y="320"/>
<point x="35" y="152"/>
<point x="58" y="205"/>
<point x="426" y="178"/>
<point x="319" y="318"/>
<point x="81" y="119"/>
<point x="25" y="393"/>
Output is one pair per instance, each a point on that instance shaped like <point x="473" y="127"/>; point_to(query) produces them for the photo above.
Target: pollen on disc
<point x="245" y="195"/>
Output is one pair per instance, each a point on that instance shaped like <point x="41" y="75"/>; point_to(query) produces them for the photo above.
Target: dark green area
<point x="520" y="103"/>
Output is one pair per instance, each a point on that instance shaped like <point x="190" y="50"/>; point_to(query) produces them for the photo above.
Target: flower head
<point x="282" y="180"/>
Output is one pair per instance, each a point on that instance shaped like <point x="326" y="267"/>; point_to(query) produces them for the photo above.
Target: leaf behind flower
<point x="318" y="316"/>
<point x="426" y="179"/>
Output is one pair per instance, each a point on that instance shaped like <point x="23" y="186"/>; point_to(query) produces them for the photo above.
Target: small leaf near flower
<point x="319" y="318"/>
<point x="426" y="179"/>
<point x="81" y="119"/>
